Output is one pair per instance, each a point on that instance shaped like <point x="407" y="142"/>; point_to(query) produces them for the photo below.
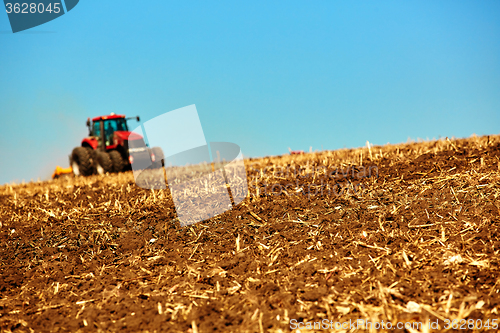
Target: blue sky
<point x="266" y="75"/>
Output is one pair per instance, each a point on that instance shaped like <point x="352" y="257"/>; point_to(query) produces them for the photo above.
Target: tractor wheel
<point x="93" y="158"/>
<point x="104" y="163"/>
<point x="117" y="161"/>
<point x="93" y="155"/>
<point x="158" y="153"/>
<point x="81" y="162"/>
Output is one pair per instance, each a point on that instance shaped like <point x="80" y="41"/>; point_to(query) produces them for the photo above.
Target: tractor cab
<point x="106" y="132"/>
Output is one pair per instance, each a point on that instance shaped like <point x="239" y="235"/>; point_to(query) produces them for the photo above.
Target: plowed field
<point x="400" y="233"/>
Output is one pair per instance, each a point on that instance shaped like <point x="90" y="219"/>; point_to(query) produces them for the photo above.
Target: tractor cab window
<point x="97" y="129"/>
<point x="111" y="126"/>
<point x="121" y="125"/>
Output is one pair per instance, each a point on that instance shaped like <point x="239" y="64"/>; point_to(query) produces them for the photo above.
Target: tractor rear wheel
<point x="81" y="162"/>
<point x="104" y="163"/>
<point x="117" y="161"/>
<point x="158" y="159"/>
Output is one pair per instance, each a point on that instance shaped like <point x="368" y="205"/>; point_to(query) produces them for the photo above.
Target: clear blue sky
<point x="266" y="75"/>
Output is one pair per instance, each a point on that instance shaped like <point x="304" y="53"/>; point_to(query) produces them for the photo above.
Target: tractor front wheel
<point x="93" y="157"/>
<point x="104" y="163"/>
<point x="117" y="161"/>
<point x="81" y="162"/>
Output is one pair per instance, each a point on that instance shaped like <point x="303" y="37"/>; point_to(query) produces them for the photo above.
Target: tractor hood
<point x="128" y="139"/>
<point x="125" y="135"/>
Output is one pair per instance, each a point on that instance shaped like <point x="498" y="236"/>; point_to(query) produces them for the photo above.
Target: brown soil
<point x="101" y="254"/>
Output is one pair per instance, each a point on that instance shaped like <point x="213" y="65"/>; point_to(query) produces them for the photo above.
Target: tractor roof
<point x="111" y="116"/>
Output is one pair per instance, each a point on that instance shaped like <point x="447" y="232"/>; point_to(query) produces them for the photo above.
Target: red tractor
<point x="109" y="146"/>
